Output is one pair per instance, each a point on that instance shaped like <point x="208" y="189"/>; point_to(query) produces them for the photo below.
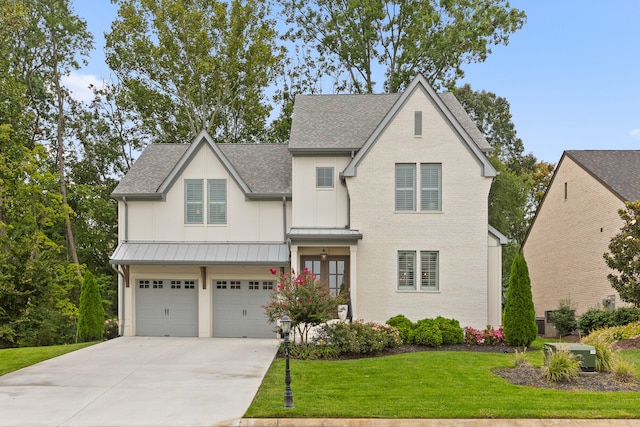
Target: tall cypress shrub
<point x="91" y="317"/>
<point x="519" y="319"/>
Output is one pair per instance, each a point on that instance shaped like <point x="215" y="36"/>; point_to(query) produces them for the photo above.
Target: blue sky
<point x="571" y="74"/>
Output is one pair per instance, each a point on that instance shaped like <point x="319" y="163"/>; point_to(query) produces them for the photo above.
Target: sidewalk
<point x="377" y="422"/>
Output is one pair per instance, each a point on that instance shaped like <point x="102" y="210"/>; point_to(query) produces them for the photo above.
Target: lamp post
<point x="285" y="324"/>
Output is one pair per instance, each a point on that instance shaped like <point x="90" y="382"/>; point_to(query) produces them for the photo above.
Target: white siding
<point x="458" y="232"/>
<point x="318" y="207"/>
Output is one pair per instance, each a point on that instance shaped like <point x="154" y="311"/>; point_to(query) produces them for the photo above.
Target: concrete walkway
<point x="139" y="382"/>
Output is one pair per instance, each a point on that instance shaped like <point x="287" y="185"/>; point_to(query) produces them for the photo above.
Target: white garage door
<point x="167" y="308"/>
<point x="238" y="308"/>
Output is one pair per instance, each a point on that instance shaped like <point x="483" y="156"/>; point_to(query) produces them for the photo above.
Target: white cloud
<point x="635" y="133"/>
<point x="78" y="85"/>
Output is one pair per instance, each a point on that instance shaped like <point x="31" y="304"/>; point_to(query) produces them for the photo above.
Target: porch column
<point x="294" y="259"/>
<point x="353" y="280"/>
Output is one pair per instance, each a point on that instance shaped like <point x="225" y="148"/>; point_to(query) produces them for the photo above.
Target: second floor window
<point x="217" y="201"/>
<point x="194" y="205"/>
<point x="324" y="177"/>
<point x="430" y="182"/>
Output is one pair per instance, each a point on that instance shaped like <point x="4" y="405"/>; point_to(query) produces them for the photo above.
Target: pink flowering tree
<point x="304" y="299"/>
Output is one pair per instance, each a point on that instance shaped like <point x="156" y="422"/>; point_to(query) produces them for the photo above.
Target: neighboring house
<point x="384" y="196"/>
<point x="572" y="229"/>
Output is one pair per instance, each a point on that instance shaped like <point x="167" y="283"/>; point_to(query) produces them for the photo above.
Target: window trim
<point x="436" y="273"/>
<point x="399" y="190"/>
<point x="324" y="176"/>
<point x="423" y="189"/>
<point x="416" y="270"/>
<point x="199" y="217"/>
<point x="218" y="202"/>
<point x="410" y="282"/>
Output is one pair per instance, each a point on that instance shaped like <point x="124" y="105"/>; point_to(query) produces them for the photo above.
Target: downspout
<point x="121" y="292"/>
<point x="284" y="219"/>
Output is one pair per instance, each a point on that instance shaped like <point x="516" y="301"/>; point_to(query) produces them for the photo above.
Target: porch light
<point x="285" y="325"/>
<point x="323" y="255"/>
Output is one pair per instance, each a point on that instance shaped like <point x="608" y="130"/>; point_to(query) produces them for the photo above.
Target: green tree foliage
<point x="624" y="255"/>
<point x="522" y="179"/>
<point x="91" y="314"/>
<point x="188" y="65"/>
<point x="519" y="318"/>
<point x="304" y="299"/>
<point x="564" y="317"/>
<point x="401" y="37"/>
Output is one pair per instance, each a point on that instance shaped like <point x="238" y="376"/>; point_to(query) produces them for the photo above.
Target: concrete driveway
<point x="139" y="381"/>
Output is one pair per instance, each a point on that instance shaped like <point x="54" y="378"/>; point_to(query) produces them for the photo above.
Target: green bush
<point x="303" y="351"/>
<point x="615" y="333"/>
<point x="560" y="365"/>
<point x="404" y="327"/>
<point x="564" y="317"/>
<point x="451" y="331"/>
<point x="596" y="318"/>
<point x="519" y="319"/>
<point x="91" y="313"/>
<point x="427" y="333"/>
<point x="358" y="338"/>
<point x="624" y="371"/>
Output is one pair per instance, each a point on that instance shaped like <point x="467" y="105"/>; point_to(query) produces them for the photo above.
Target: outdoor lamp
<point x="285" y="325"/>
<point x="323" y="255"/>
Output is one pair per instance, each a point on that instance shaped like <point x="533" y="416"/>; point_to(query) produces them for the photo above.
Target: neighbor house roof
<point x="345" y="122"/>
<point x="618" y="170"/>
<point x="261" y="170"/>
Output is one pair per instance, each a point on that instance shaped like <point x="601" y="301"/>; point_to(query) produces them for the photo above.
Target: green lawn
<point x="434" y="384"/>
<point x="12" y="359"/>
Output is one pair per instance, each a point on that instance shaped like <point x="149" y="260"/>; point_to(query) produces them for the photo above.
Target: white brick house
<point x="382" y="195"/>
<point x="573" y="226"/>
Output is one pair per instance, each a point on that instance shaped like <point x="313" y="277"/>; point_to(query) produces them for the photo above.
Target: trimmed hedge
<point x="429" y="332"/>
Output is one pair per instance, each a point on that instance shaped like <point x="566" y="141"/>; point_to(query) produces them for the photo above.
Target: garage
<point x="238" y="309"/>
<point x="167" y="308"/>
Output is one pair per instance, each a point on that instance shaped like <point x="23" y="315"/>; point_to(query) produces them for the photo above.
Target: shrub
<point x="111" y="329"/>
<point x="489" y="336"/>
<point x="604" y="353"/>
<point x="91" y="312"/>
<point x="404" y="327"/>
<point x="564" y="317"/>
<point x="560" y="365"/>
<point x="594" y="319"/>
<point x="304" y="351"/>
<point x="519" y="318"/>
<point x="427" y="333"/>
<point x="615" y="333"/>
<point x="451" y="331"/>
<point x="624" y="371"/>
<point x="358" y="338"/>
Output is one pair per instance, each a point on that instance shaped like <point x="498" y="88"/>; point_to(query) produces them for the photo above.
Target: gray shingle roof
<point x="150" y="170"/>
<point x="617" y="169"/>
<point x="337" y="121"/>
<point x="265" y="168"/>
<point x="345" y="122"/>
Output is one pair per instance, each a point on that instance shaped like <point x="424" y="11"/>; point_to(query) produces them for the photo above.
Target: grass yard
<point x="433" y="384"/>
<point x="12" y="359"/>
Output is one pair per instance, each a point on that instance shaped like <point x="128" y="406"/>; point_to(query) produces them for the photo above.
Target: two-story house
<point x="573" y="227"/>
<point x="383" y="196"/>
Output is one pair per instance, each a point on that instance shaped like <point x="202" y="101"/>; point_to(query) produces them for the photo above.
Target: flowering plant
<point x="304" y="299"/>
<point x="489" y="336"/>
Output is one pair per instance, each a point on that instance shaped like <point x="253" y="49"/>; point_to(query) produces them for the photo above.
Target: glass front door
<point x="334" y="271"/>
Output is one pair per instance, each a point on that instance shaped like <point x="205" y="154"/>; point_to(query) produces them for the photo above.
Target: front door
<point x="334" y="271"/>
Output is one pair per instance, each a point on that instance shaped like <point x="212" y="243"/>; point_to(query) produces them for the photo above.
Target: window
<point x="429" y="271"/>
<point x="324" y="177"/>
<point x="217" y="201"/>
<point x="417" y="124"/>
<point x="430" y="187"/>
<point x="406" y="270"/>
<point x="334" y="271"/>
<point x="405" y="187"/>
<point x="193" y="201"/>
